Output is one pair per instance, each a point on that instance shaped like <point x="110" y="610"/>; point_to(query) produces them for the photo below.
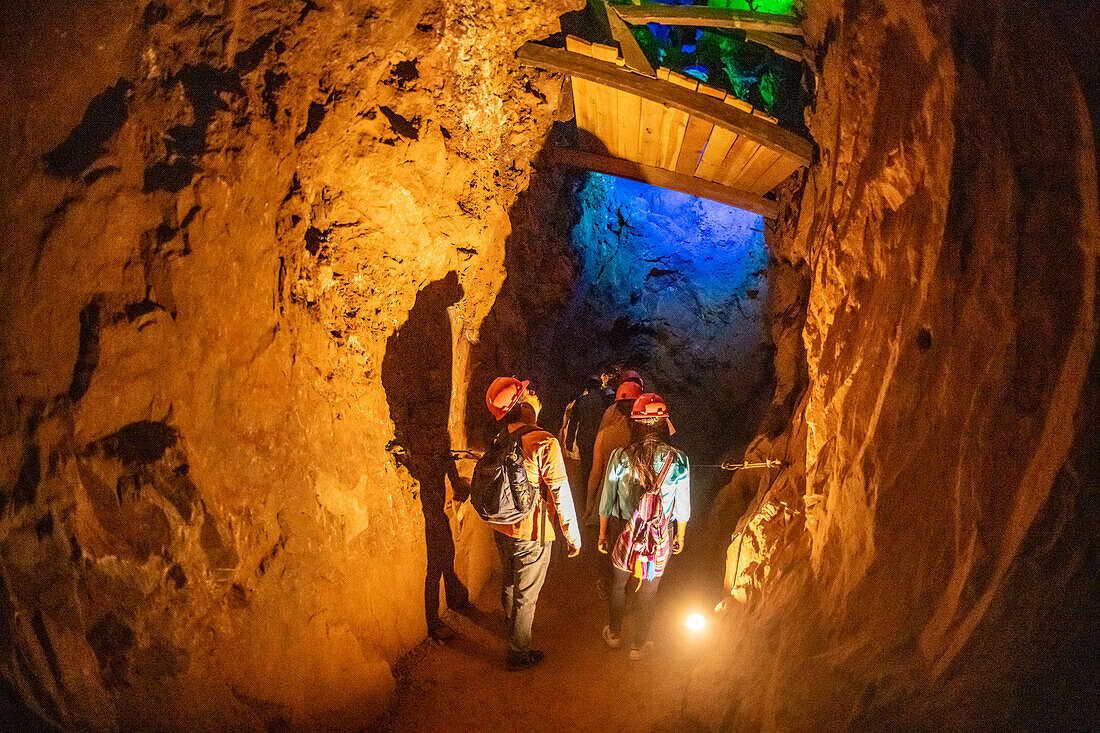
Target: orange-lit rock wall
<point x="214" y="218"/>
<point x="930" y="558"/>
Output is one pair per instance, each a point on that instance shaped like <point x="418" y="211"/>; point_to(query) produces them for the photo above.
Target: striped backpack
<point x="644" y="545"/>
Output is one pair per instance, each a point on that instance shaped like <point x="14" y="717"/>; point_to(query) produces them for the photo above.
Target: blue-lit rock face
<point x="674" y="286"/>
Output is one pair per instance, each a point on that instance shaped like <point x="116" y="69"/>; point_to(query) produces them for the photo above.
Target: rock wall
<point x="930" y="558"/>
<point x="215" y="218"/>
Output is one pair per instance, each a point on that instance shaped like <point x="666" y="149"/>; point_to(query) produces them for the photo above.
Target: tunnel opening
<point x="607" y="273"/>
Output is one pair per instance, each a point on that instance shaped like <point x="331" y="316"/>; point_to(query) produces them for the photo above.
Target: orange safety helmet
<point x="650" y="406"/>
<point x="503" y="394"/>
<point x="628" y="391"/>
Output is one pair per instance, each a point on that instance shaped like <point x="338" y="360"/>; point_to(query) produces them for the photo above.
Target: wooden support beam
<point x="632" y="52"/>
<point x="721" y="140"/>
<point x="664" y="179"/>
<point x="783" y="45"/>
<point x="703" y="17"/>
<point x="695" y="104"/>
<point x="779" y="172"/>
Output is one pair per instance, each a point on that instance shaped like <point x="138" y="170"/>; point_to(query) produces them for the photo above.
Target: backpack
<point x="500" y="490"/>
<point x="643" y="546"/>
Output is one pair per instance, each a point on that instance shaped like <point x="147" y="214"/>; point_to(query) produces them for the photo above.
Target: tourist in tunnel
<point x="416" y="374"/>
<point x="525" y="546"/>
<point x="613" y="432"/>
<point x="584" y="418"/>
<point x="647" y="486"/>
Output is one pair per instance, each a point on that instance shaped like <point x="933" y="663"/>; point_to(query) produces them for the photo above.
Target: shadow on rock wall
<point x="541" y="276"/>
<point x="417" y="375"/>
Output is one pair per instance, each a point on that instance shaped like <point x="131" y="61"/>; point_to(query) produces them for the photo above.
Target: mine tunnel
<point x="267" y="262"/>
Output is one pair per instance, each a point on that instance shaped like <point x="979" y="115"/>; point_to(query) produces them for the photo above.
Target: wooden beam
<point x="707" y="108"/>
<point x="583" y="91"/>
<point x="691" y="149"/>
<point x="791" y="48"/>
<point x="660" y="177"/>
<point x="721" y="140"/>
<point x="779" y="172"/>
<point x="652" y="133"/>
<point x="703" y="17"/>
<point x="632" y="53"/>
<point x="607" y="123"/>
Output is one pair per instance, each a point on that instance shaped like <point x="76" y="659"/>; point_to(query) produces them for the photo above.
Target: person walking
<point x="585" y="417"/>
<point x="525" y="546"/>
<point x="647" y="485"/>
<point x="614" y="432"/>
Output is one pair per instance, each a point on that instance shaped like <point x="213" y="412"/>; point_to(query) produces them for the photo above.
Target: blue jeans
<point x="524" y="563"/>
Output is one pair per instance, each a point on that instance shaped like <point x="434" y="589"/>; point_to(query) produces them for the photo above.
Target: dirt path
<point x="581" y="685"/>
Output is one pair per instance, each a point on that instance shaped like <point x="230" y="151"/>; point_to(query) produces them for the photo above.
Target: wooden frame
<point x="704" y="17"/>
<point x="663" y="178"/>
<point x="700" y="106"/>
<point x="632" y="53"/>
<point x="786" y="46"/>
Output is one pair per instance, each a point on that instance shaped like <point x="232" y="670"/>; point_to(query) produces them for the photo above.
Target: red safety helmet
<point x="503" y="394"/>
<point x="628" y="391"/>
<point x="631" y="376"/>
<point x="650" y="406"/>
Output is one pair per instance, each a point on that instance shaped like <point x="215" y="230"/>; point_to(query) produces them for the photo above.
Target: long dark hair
<point x="646" y="437"/>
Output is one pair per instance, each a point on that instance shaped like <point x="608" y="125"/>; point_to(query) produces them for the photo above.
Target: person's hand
<point x="602" y="546"/>
<point x="677" y="546"/>
<point x="574" y="550"/>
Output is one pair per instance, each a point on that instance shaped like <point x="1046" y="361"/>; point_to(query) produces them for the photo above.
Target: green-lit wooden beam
<point x="703" y="17"/>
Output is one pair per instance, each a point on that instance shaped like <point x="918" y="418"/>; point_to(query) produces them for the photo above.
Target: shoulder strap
<point x="661" y="481"/>
<point x="523" y="430"/>
<point x="664" y="470"/>
<point x="506" y="434"/>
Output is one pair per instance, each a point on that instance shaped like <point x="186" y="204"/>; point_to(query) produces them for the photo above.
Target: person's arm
<point x="460" y="487"/>
<point x="610" y="498"/>
<point x="682" y="510"/>
<point x="678" y="540"/>
<point x="553" y="475"/>
<point x="595" y="474"/>
<point x="570" y="424"/>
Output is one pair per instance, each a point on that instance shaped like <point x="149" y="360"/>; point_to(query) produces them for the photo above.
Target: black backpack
<point x="500" y="490"/>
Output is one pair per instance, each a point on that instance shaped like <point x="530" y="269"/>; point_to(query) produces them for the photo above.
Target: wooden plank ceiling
<point x="671" y="130"/>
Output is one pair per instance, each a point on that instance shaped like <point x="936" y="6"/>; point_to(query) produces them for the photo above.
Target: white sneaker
<point x="641" y="652"/>
<point x="612" y="640"/>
